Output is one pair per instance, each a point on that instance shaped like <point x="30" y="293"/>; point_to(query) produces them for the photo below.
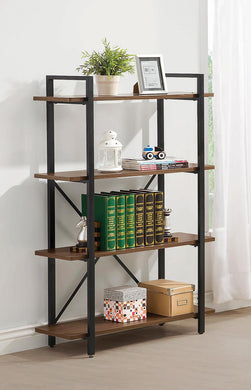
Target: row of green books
<point x="128" y="219"/>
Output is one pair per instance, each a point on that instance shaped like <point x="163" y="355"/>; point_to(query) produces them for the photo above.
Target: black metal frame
<point x="91" y="261"/>
<point x="201" y="192"/>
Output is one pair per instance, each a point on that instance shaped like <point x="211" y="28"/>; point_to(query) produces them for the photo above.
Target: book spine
<point x="139" y="220"/>
<point x="149" y="218"/>
<point x="173" y="165"/>
<point x="158" y="217"/>
<point x="148" y="167"/>
<point x="110" y="224"/>
<point x="120" y="219"/>
<point x="130" y="220"/>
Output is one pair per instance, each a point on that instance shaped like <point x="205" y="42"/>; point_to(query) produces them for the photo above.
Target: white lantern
<point x="110" y="150"/>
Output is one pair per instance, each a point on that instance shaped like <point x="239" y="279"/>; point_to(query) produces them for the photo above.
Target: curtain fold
<point x="232" y="112"/>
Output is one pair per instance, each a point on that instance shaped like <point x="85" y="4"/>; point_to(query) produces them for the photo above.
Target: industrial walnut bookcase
<point x="93" y="326"/>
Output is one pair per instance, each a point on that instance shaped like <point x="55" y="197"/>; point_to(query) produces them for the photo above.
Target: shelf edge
<point x="60" y="329"/>
<point x="65" y="254"/>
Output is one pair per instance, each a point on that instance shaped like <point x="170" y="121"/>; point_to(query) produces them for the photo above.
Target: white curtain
<point x="232" y="123"/>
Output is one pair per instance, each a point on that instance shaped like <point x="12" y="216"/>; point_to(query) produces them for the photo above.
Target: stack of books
<point x="146" y="165"/>
<point x="128" y="219"/>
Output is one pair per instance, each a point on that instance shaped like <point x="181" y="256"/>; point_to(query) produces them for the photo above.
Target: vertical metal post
<point x="90" y="217"/>
<point x="201" y="204"/>
<point x="50" y="208"/>
<point x="161" y="178"/>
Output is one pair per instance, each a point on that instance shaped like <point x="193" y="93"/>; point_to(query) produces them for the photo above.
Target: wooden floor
<point x="169" y="357"/>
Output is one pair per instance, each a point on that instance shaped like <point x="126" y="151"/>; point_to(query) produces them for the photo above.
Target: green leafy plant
<point x="110" y="62"/>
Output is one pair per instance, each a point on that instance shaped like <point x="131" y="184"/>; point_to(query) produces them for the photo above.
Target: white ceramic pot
<point x="107" y="85"/>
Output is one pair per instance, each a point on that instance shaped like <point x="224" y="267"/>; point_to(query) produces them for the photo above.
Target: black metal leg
<point x="201" y="195"/>
<point x="51" y="298"/>
<point x="51" y="210"/>
<point x="161" y="179"/>
<point x="201" y="206"/>
<point x="90" y="218"/>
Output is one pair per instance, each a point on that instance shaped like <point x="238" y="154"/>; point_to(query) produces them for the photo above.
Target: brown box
<point x="169" y="298"/>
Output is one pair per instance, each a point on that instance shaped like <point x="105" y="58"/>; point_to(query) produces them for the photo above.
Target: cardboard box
<point x="125" y="303"/>
<point x="169" y="298"/>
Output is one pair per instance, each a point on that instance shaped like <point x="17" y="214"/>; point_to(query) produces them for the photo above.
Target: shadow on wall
<point x="21" y="204"/>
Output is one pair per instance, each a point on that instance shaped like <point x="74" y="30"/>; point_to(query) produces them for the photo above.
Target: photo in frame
<point x="151" y="75"/>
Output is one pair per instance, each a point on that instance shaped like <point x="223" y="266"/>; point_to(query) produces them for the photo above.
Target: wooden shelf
<point x="81" y="175"/>
<point x="77" y="329"/>
<point x="65" y="253"/>
<point x="130" y="96"/>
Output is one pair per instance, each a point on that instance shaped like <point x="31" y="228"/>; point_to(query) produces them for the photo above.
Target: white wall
<point x="46" y="37"/>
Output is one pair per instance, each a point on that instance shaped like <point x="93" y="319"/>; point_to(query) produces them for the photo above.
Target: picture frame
<point x="151" y="75"/>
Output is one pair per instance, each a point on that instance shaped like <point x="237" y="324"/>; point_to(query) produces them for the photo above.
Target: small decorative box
<point x="125" y="303"/>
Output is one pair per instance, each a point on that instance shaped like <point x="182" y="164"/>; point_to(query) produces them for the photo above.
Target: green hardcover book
<point x="120" y="219"/>
<point x="149" y="216"/>
<point x="130" y="219"/>
<point x="158" y="216"/>
<point x="139" y="218"/>
<point x="105" y="213"/>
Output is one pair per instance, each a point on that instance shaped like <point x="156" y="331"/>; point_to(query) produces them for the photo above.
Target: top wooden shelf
<point x="130" y="96"/>
<point x="81" y="175"/>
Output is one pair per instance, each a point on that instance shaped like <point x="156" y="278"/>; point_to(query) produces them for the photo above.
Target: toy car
<point x="149" y="153"/>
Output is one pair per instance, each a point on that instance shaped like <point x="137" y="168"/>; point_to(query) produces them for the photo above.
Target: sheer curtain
<point x="232" y="122"/>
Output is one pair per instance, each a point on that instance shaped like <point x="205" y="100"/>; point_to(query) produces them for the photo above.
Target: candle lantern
<point x="110" y="150"/>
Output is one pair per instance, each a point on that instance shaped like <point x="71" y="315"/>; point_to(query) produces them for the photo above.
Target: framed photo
<point x="151" y="75"/>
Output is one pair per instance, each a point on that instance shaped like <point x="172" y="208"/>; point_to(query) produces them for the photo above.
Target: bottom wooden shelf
<point x="77" y="329"/>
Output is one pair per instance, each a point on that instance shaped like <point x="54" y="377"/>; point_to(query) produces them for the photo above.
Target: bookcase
<point x="93" y="326"/>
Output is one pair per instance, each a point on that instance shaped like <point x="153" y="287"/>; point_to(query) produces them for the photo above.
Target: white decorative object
<point x="110" y="150"/>
<point x="167" y="226"/>
<point x="107" y="85"/>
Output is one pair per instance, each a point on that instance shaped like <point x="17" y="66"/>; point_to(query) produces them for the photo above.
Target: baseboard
<point x="226" y="306"/>
<point x="232" y="305"/>
<point x="208" y="298"/>
<point x="25" y="338"/>
<point x="20" y="339"/>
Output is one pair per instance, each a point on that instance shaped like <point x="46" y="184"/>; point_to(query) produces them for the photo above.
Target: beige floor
<point x="172" y="357"/>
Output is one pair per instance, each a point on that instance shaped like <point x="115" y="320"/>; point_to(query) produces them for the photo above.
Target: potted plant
<point x="107" y="67"/>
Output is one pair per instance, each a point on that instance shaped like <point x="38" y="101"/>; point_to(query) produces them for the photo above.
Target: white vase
<point x="107" y="85"/>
